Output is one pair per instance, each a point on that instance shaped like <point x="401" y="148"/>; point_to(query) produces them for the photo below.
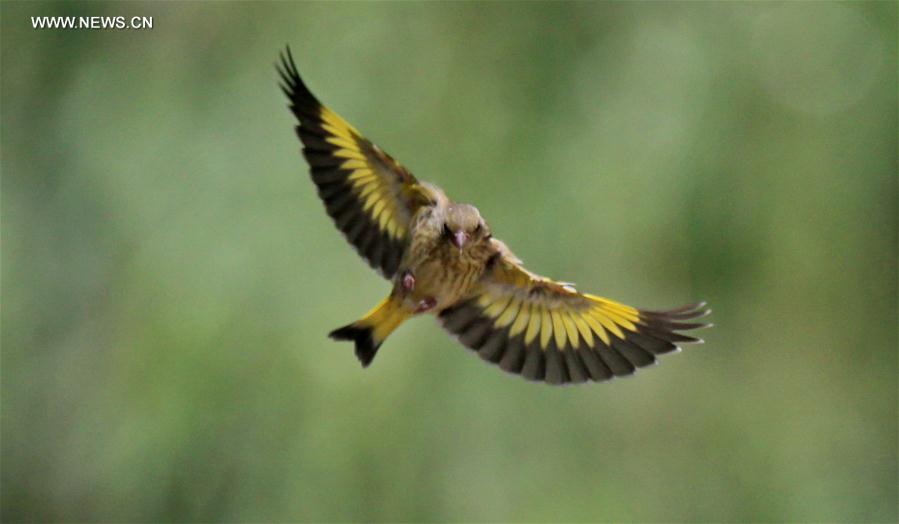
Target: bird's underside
<point x="527" y="324"/>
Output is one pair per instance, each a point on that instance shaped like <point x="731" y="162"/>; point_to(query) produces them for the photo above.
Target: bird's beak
<point x="459" y="239"/>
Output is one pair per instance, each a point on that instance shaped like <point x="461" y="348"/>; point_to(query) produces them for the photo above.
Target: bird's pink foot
<point x="426" y="304"/>
<point x="408" y="281"/>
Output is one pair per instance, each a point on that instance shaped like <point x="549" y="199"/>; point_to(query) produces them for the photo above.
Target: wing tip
<point x="688" y="312"/>
<point x="291" y="82"/>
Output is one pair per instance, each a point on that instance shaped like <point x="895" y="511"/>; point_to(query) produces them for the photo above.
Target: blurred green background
<point x="169" y="275"/>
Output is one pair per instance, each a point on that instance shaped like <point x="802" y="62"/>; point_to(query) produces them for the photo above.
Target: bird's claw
<point x="408" y="281"/>
<point x="426" y="304"/>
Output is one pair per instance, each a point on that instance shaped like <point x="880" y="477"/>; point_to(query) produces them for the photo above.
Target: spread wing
<point x="370" y="196"/>
<point x="546" y="330"/>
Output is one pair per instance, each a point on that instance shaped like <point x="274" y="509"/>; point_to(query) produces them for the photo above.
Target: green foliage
<point x="169" y="275"/>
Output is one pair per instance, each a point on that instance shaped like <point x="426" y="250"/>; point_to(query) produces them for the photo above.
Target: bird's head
<point x="464" y="226"/>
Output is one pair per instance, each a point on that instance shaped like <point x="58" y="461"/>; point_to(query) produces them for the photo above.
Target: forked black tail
<point x="362" y="336"/>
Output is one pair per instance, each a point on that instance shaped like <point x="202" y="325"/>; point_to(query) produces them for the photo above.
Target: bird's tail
<point x="369" y="332"/>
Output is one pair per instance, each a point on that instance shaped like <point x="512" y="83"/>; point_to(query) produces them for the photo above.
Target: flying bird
<point x="443" y="260"/>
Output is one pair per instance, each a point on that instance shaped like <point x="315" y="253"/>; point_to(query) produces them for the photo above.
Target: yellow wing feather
<point x="546" y="328"/>
<point x="558" y="329"/>
<point x="522" y="320"/>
